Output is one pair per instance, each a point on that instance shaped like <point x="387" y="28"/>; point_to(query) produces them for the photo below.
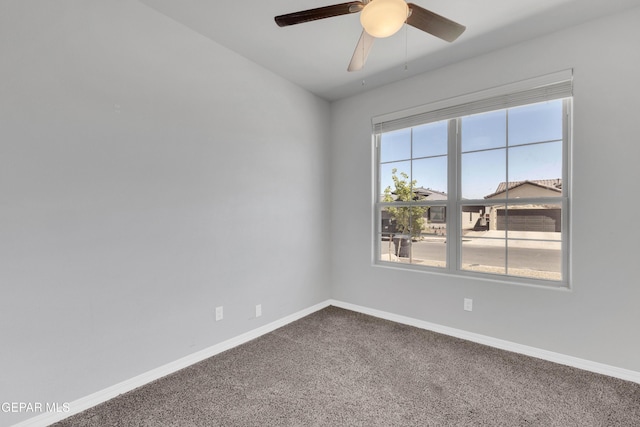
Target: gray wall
<point x="596" y="320"/>
<point x="147" y="175"/>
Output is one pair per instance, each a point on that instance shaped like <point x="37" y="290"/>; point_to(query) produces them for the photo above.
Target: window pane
<point x="540" y="165"/>
<point x="486" y="255"/>
<point x="431" y="250"/>
<point x="474" y="218"/>
<point x="486" y="222"/>
<point x="395" y="145"/>
<point x="482" y="172"/>
<point x="409" y="220"/>
<point x="430" y="175"/>
<point x="386" y="178"/>
<point x="430" y="140"/>
<point x="536" y="260"/>
<point x="482" y="131"/>
<point x="395" y="249"/>
<point x="483" y="244"/>
<point x="408" y="237"/>
<point x="534" y="239"/>
<point x="535" y="123"/>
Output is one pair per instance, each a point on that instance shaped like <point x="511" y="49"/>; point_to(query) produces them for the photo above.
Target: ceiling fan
<point x="379" y="18"/>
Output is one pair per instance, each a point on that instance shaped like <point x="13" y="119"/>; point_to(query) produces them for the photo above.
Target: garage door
<point x="529" y="220"/>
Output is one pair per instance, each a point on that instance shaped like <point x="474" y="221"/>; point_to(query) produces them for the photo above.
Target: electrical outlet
<point x="219" y="313"/>
<point x="258" y="310"/>
<point x="468" y="304"/>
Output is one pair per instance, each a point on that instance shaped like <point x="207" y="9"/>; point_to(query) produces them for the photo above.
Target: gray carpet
<point x="340" y="368"/>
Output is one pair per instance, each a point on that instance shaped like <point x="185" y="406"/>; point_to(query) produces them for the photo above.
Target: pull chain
<point x="406" y="46"/>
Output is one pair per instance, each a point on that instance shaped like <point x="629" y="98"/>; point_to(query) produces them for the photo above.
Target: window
<point x="478" y="187"/>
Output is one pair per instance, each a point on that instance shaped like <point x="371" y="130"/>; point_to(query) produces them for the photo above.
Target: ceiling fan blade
<point x="319" y="13"/>
<point x="433" y="23"/>
<point x="362" y="51"/>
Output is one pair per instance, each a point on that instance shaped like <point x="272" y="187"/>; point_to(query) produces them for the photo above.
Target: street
<point x="536" y="259"/>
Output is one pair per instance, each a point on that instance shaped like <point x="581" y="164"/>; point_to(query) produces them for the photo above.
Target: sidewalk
<point x="517" y="239"/>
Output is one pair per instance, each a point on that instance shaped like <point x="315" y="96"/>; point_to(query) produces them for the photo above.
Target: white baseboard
<point x="101" y="396"/>
<point x="94" y="399"/>
<point x="587" y="365"/>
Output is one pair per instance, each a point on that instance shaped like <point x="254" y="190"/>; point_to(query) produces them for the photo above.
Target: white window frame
<point x="544" y="88"/>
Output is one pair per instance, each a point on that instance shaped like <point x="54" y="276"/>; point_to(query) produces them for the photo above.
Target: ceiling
<point x="315" y="55"/>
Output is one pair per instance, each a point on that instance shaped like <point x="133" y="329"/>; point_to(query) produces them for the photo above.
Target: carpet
<point x="340" y="368"/>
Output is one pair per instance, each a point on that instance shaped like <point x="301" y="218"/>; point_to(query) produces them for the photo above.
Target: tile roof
<point x="551" y="184"/>
<point x="430" y="194"/>
<point x="422" y="193"/>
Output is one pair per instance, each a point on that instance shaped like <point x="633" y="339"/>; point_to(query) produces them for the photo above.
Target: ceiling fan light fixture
<point x="384" y="18"/>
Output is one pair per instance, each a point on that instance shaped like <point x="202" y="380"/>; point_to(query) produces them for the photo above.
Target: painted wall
<point x="598" y="318"/>
<point x="147" y="175"/>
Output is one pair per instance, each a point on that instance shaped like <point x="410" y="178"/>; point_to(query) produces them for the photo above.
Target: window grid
<point x="455" y="204"/>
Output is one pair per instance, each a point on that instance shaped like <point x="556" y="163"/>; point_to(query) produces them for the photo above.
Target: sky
<point x="521" y="143"/>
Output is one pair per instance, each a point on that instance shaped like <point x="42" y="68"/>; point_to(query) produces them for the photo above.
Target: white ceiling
<point x="315" y="55"/>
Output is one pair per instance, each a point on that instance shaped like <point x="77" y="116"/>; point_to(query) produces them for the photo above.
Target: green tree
<point x="409" y="220"/>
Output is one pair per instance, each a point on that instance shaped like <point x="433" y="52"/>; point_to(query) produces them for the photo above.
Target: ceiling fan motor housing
<point x="384" y="18"/>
